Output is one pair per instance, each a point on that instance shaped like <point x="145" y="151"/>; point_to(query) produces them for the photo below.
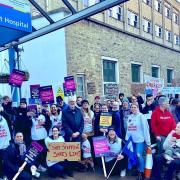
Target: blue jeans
<point x="139" y="152"/>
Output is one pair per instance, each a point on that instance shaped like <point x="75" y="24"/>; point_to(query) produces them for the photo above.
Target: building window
<point x="158" y="30"/>
<point x="169" y="76"/>
<point x="132" y="19"/>
<point x="109" y="71"/>
<point x="155" y="71"/>
<point x="87" y="3"/>
<point x="168" y="36"/>
<point x="167" y="12"/>
<point x="158" y="6"/>
<point x="146" y="26"/>
<point x="148" y="2"/>
<point x="135" y="72"/>
<point x="116" y="12"/>
<point x="80" y="82"/>
<point x="175" y="18"/>
<point x="176" y="40"/>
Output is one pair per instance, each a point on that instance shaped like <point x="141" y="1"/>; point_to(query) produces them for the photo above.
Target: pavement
<point x="97" y="175"/>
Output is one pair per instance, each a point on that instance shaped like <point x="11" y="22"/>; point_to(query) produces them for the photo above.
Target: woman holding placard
<point x="115" y="145"/>
<point x="56" y="168"/>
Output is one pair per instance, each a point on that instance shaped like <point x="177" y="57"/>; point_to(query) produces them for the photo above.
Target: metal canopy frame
<point x="75" y="17"/>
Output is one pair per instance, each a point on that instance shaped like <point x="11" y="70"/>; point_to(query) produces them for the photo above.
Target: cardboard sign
<point x="32" y="153"/>
<point x="16" y="78"/>
<point x="46" y="94"/>
<point x="70" y="151"/>
<point x="137" y="88"/>
<point x="171" y="90"/>
<point x="91" y="88"/>
<point x="34" y="90"/>
<point x="70" y="84"/>
<point x="101" y="147"/>
<point x="105" y="120"/>
<point x="111" y="91"/>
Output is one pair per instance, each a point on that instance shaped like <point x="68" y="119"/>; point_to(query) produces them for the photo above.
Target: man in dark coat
<point x="72" y="121"/>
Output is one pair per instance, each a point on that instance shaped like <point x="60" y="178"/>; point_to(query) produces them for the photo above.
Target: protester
<point x="57" y="168"/>
<point x="115" y="153"/>
<point x="138" y="129"/>
<point x="14" y="158"/>
<point x="56" y="119"/>
<point x="125" y="112"/>
<point x="22" y="122"/>
<point x="175" y="109"/>
<point x="72" y="121"/>
<point x="162" y="122"/>
<point x="135" y="99"/>
<point x="5" y="137"/>
<point x="78" y="101"/>
<point x="172" y="144"/>
<point x="117" y="121"/>
<point x="60" y="103"/>
<point x="121" y="97"/>
<point x="7" y="105"/>
<point x="97" y="101"/>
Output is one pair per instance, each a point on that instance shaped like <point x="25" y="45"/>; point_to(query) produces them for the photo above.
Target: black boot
<point x="140" y="176"/>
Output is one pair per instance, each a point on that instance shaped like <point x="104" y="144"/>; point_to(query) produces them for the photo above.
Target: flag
<point x="129" y="150"/>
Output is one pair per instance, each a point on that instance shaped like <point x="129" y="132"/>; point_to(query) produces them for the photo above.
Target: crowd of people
<point x="153" y="123"/>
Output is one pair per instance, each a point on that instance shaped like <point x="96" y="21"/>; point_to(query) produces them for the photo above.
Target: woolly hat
<point x="163" y="100"/>
<point x="125" y="100"/>
<point x="23" y="100"/>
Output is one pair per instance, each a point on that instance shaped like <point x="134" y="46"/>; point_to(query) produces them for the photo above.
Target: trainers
<point x="123" y="173"/>
<point x="41" y="168"/>
<point x="37" y="175"/>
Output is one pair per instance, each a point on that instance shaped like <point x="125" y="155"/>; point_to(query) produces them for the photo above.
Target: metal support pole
<point x="14" y="90"/>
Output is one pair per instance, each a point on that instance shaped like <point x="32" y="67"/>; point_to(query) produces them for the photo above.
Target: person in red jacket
<point x="162" y="122"/>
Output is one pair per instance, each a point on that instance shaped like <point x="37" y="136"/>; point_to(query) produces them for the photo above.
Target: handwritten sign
<point x="46" y="94"/>
<point x="70" y="84"/>
<point x="34" y="90"/>
<point x="16" y="78"/>
<point x="138" y="88"/>
<point x="33" y="152"/>
<point x="65" y="150"/>
<point x="111" y="90"/>
<point x="101" y="147"/>
<point x="91" y="88"/>
<point x="105" y="120"/>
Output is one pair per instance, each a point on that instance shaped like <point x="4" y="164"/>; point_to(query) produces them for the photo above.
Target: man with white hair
<point x="162" y="122"/>
<point x="72" y="121"/>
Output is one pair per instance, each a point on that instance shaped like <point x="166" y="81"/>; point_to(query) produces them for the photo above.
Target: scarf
<point x="22" y="147"/>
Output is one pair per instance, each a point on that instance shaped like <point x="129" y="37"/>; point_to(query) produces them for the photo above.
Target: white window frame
<point x="146" y="27"/>
<point x="156" y="66"/>
<point x="175" y="18"/>
<point x="176" y="39"/>
<point x="168" y="12"/>
<point x="116" y="70"/>
<point x="141" y="72"/>
<point x="158" y="32"/>
<point x="133" y="19"/>
<point x="172" y="75"/>
<point x="148" y="2"/>
<point x="84" y="90"/>
<point x="158" y="6"/>
<point x="168" y="35"/>
<point x="115" y="13"/>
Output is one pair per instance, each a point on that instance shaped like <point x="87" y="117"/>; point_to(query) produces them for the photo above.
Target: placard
<point x="111" y="91"/>
<point x="34" y="91"/>
<point x="46" y="94"/>
<point x="101" y="147"/>
<point x="60" y="93"/>
<point x="171" y="90"/>
<point x="32" y="153"/>
<point x="70" y="84"/>
<point x="70" y="151"/>
<point x="137" y="88"/>
<point x="91" y="88"/>
<point x="105" y="120"/>
<point x="16" y="78"/>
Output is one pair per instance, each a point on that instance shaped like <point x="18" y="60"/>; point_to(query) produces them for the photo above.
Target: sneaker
<point x="123" y="173"/>
<point x="37" y="175"/>
<point x="41" y="168"/>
